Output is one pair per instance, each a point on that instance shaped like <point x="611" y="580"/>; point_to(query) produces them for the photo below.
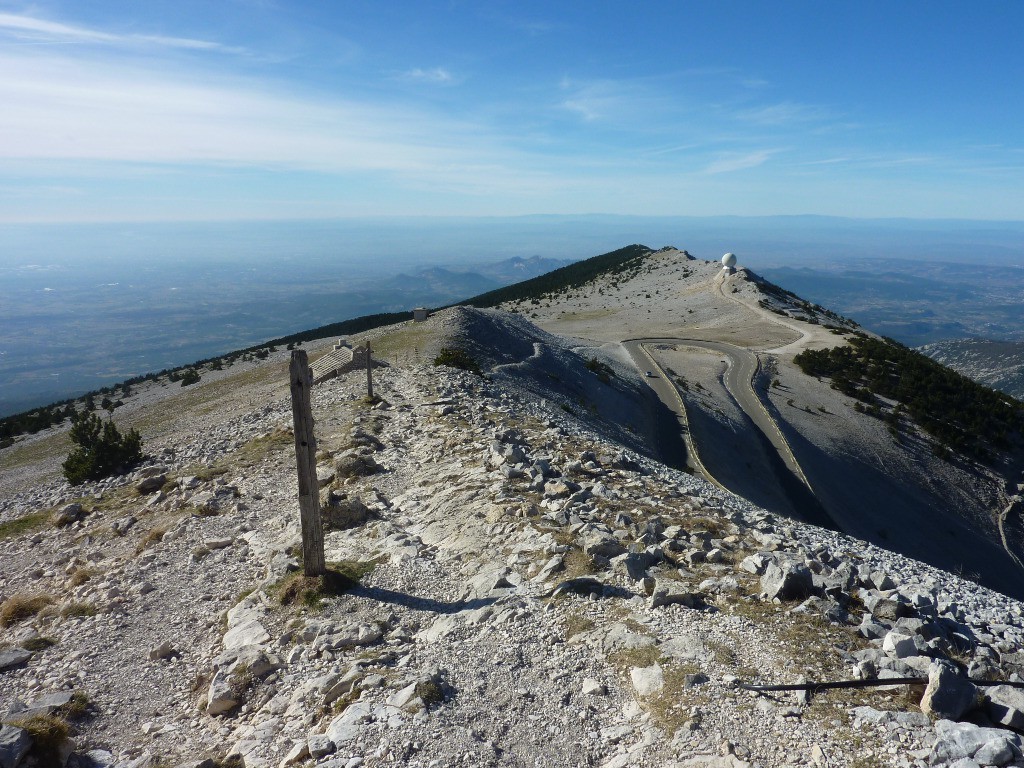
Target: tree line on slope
<point x="957" y="412"/>
<point x="573" y="275"/>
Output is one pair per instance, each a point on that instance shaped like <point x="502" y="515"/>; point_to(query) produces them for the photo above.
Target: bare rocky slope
<point x="946" y="511"/>
<point x="996" y="364"/>
<point x="516" y="579"/>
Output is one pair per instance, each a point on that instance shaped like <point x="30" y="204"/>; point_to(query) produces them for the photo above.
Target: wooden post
<point x="369" y="374"/>
<point x="305" y="461"/>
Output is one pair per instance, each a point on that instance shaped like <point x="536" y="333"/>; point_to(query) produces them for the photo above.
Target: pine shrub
<point x="100" y="449"/>
<point x="457" y="358"/>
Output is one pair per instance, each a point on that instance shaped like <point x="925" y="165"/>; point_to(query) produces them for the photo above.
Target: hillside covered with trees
<point x="957" y="412"/>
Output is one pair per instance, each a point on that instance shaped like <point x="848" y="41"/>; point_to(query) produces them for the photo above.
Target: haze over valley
<point x="88" y="306"/>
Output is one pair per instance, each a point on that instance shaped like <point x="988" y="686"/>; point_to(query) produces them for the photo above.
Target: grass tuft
<point x="150" y="539"/>
<point x="259" y="448"/>
<point x="311" y="591"/>
<point x="78" y="707"/>
<point x="20" y="607"/>
<point x="635" y="657"/>
<point x="577" y="624"/>
<point x="79" y="609"/>
<point x="48" y="736"/>
<point x="38" y="643"/>
<point x="22" y="525"/>
<point x="81" y="575"/>
<point x="430" y="692"/>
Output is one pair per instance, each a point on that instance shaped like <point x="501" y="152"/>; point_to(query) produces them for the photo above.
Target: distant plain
<point x="86" y="306"/>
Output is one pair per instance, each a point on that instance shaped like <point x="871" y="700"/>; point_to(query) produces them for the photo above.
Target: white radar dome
<point x="729" y="260"/>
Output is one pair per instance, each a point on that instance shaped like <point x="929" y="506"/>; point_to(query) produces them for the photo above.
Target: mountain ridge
<point x="520" y="577"/>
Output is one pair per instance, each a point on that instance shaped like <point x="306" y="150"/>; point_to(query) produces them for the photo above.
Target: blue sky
<point x="261" y="109"/>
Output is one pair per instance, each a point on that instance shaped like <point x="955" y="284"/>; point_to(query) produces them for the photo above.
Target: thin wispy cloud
<point x="633" y="102"/>
<point x="731" y="162"/>
<point x="57" y="108"/>
<point x="147" y="111"/>
<point x="436" y="75"/>
<point x="898" y="161"/>
<point x="828" y="161"/>
<point x="42" y="30"/>
<point x="784" y="113"/>
<point x="672" y="150"/>
<point x="92" y="117"/>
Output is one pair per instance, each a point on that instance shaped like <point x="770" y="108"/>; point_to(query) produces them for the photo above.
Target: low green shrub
<point x="101" y="449"/>
<point x="457" y="358"/>
<point x="603" y="371"/>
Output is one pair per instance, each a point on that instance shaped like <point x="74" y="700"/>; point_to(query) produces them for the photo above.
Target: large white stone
<point x="345" y="726"/>
<point x="647" y="680"/>
<point x="900" y="645"/>
<point x="1006" y="706"/>
<point x="250" y="632"/>
<point x="948" y="696"/>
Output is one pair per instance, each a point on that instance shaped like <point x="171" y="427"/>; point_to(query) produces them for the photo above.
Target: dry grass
<point x="577" y="563"/>
<point x="716" y="527"/>
<point x="311" y="591"/>
<point x="78" y="609"/>
<point x="257" y="449"/>
<point x="401" y="344"/>
<point x="209" y="473"/>
<point x="151" y="538"/>
<point x="78" y="706"/>
<point x="24" y="524"/>
<point x="112" y="500"/>
<point x="38" y="643"/>
<point x="48" y="734"/>
<point x="801" y="631"/>
<point x="247" y="455"/>
<point x="430" y="692"/>
<point x="25" y="454"/>
<point x="82" y="575"/>
<point x="722" y="654"/>
<point x="577" y="624"/>
<point x="19" y="607"/>
<point x="635" y="657"/>
<point x="671" y="706"/>
<point x="207" y="397"/>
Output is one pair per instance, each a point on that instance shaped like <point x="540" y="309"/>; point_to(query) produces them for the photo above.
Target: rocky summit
<point x="515" y="578"/>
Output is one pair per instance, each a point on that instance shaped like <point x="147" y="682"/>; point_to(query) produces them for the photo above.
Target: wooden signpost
<point x="305" y="461"/>
<point x="369" y="373"/>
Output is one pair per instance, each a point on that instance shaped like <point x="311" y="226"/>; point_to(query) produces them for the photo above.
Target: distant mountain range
<point x="914" y="301"/>
<point x="446" y="283"/>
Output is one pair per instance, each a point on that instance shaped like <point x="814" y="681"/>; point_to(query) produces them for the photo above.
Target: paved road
<point x="669" y="395"/>
<point x="742" y="365"/>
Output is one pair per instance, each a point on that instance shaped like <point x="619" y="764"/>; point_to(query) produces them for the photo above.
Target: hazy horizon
<point x="89" y="305"/>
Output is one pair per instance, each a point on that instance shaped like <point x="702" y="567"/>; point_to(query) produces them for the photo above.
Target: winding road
<point x="742" y="366"/>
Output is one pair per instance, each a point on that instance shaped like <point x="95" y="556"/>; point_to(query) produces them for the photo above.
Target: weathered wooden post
<point x="305" y="461"/>
<point x="369" y="374"/>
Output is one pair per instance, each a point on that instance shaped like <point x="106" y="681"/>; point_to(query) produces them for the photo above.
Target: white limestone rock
<point x="647" y="680"/>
